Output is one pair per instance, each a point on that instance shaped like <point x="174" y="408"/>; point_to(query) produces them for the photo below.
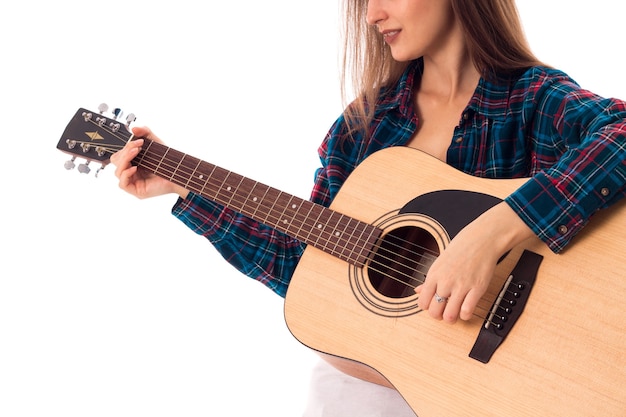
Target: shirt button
<point x="605" y="192"/>
<point x="465" y="116"/>
<point x="562" y="229"/>
<point x="459" y="139"/>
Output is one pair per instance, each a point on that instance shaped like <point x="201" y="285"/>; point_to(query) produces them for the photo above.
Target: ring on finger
<point x="440" y="299"/>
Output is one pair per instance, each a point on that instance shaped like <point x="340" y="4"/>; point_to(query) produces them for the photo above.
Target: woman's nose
<point x="375" y="12"/>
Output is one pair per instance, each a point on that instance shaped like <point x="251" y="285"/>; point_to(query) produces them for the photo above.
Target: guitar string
<point x="325" y="236"/>
<point x="423" y="251"/>
<point x="234" y="195"/>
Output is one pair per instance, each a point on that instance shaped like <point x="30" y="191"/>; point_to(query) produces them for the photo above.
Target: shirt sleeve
<point x="558" y="201"/>
<point x="256" y="250"/>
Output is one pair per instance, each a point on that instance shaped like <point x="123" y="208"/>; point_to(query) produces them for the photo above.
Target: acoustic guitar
<point x="548" y="338"/>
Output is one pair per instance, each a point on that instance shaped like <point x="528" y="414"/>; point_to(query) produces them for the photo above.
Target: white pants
<point x="335" y="394"/>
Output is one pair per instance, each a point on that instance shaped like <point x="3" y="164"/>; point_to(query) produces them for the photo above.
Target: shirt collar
<point x="491" y="98"/>
<point x="400" y="95"/>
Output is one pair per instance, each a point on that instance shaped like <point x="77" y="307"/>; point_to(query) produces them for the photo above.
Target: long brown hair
<point x="492" y="28"/>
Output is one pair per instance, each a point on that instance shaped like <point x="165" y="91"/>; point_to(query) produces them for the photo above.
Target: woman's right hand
<point x="138" y="182"/>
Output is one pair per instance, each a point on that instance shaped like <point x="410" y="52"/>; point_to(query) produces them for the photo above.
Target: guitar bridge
<point x="507" y="307"/>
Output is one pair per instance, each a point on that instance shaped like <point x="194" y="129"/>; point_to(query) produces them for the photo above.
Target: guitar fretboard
<point x="336" y="234"/>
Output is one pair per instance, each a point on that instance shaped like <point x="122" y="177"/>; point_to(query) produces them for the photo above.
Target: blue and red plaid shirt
<point x="540" y="125"/>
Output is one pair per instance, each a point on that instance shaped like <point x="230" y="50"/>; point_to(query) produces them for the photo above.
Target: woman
<point x="455" y="79"/>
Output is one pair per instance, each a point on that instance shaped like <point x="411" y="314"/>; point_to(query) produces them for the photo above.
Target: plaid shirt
<point x="540" y="125"/>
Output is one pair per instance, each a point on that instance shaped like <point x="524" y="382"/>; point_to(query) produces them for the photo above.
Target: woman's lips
<point x="390" y="35"/>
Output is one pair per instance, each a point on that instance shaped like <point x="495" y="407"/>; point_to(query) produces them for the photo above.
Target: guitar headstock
<point x="94" y="137"/>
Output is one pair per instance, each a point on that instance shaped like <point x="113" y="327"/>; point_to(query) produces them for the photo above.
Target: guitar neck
<point x="336" y="234"/>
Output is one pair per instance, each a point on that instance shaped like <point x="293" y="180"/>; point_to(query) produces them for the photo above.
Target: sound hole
<point x="402" y="261"/>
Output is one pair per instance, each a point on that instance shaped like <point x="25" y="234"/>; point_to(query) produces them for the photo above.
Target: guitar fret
<point x="182" y="170"/>
<point x="283" y="218"/>
<point x="295" y="208"/>
<point x="318" y="226"/>
<point x="206" y="182"/>
<point x="307" y="216"/>
<point x="233" y="193"/>
<point x="277" y="213"/>
<point x="161" y="161"/>
<point x="175" y="171"/>
<point x="193" y="174"/>
<point x="257" y="200"/>
<point x="220" y="190"/>
<point x="278" y="216"/>
<point x="329" y="233"/>
<point x="271" y="197"/>
<point x="357" y="239"/>
<point x="351" y="245"/>
<point x="340" y="237"/>
<point x="367" y="244"/>
<point x="144" y="153"/>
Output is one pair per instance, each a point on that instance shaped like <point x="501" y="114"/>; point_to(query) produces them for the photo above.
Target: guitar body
<point x="565" y="355"/>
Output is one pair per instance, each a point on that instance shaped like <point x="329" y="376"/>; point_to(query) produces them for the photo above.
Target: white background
<point x="108" y="305"/>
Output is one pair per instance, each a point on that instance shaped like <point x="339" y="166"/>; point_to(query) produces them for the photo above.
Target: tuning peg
<point x="100" y="169"/>
<point x="117" y="113"/>
<point x="103" y="107"/>
<point x="70" y="164"/>
<point x="84" y="168"/>
<point x="130" y="118"/>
